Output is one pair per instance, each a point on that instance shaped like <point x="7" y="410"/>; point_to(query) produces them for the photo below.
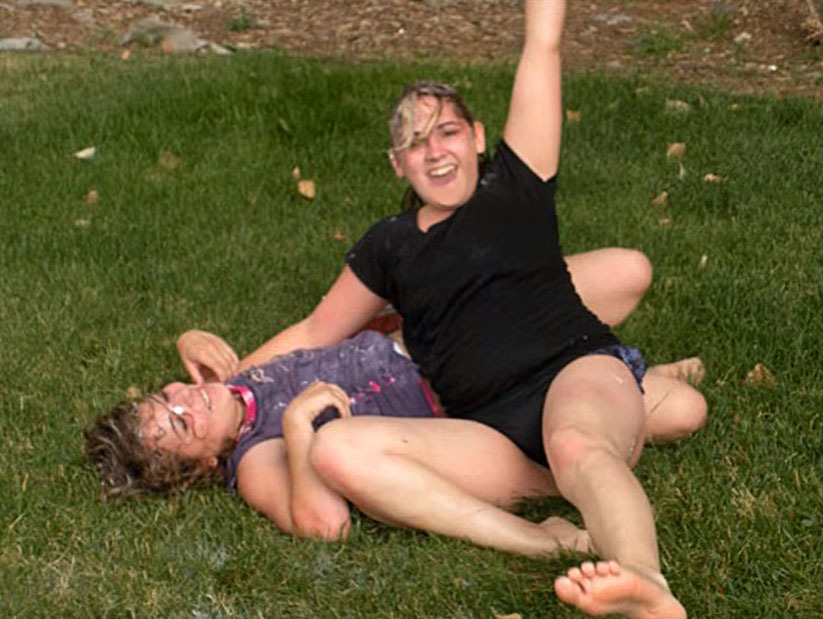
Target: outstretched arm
<point x="534" y="123"/>
<point x="345" y="309"/>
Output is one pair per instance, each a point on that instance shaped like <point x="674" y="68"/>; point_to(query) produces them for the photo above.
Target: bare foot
<point x="689" y="370"/>
<point x="566" y="535"/>
<point x="606" y="588"/>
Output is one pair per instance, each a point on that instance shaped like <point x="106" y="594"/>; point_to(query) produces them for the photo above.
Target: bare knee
<point x="343" y="458"/>
<point x="611" y="281"/>
<point x="573" y="455"/>
<point x="695" y="417"/>
<point x="689" y="416"/>
<point x="329" y="455"/>
<point x="636" y="271"/>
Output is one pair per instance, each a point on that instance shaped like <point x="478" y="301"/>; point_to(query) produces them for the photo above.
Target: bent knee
<point x="571" y="452"/>
<point x="693" y="413"/>
<point x="338" y="456"/>
<point x="328" y="452"/>
<point x="633" y="269"/>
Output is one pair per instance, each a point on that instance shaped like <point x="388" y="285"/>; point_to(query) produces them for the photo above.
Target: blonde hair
<point x="401" y="122"/>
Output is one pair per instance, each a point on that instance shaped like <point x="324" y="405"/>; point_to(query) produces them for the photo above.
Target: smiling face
<point x="439" y="154"/>
<point x="192" y="421"/>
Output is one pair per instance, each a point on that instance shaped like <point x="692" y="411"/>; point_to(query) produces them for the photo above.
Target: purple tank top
<point x="369" y="367"/>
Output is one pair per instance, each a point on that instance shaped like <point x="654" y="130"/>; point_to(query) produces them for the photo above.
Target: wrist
<point x="294" y="422"/>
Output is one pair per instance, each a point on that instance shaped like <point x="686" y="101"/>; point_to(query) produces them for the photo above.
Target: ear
<point x="479" y="137"/>
<point x="395" y="163"/>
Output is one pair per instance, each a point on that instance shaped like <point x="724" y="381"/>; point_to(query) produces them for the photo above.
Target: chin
<point x="448" y="200"/>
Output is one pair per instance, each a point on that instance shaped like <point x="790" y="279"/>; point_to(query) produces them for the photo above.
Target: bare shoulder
<point x="263" y="481"/>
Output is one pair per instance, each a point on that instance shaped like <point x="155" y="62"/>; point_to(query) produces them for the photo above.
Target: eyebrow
<point x="445" y="123"/>
<point x="163" y="400"/>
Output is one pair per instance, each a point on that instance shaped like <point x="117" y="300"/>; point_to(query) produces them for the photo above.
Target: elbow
<point x="326" y="526"/>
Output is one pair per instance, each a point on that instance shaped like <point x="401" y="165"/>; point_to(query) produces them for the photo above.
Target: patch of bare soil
<point x="747" y="46"/>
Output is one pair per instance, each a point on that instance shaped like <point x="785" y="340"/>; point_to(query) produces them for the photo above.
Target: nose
<point x="178" y="393"/>
<point x="434" y="149"/>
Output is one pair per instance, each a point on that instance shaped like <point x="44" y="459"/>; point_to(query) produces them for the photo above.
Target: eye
<point x="178" y="422"/>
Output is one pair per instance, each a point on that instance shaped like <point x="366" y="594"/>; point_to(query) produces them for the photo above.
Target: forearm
<point x="544" y="20"/>
<point x="305" y="334"/>
<point x="534" y="123"/>
<point x="344" y="310"/>
<point x="316" y="510"/>
<point x="291" y="338"/>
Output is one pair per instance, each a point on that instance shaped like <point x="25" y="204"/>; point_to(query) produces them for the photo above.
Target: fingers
<point x="220" y="358"/>
<point x="206" y="355"/>
<point x="328" y="394"/>
<point x="193" y="371"/>
<point x="316" y="398"/>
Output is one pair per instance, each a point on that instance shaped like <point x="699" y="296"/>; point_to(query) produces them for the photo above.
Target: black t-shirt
<point x="486" y="298"/>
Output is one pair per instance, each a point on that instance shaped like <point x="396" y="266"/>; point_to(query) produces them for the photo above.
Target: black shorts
<point x="519" y="413"/>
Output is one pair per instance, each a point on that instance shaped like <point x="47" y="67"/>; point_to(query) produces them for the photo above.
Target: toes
<point x="575" y="574"/>
<point x="603" y="568"/>
<point x="567" y="590"/>
<point x="588" y="568"/>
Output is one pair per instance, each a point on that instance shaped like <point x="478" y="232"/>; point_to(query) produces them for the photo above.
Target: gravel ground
<point x="738" y="45"/>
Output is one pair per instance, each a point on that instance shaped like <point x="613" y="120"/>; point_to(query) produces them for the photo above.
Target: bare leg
<point x="606" y="588"/>
<point x="674" y="408"/>
<point x="448" y="476"/>
<point x="594" y="425"/>
<point x="610" y="281"/>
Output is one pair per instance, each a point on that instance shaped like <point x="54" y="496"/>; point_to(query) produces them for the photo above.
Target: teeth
<point x="442" y="171"/>
<point x="206" y="399"/>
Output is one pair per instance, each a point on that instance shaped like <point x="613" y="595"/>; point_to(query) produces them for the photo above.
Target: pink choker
<point x="248" y="401"/>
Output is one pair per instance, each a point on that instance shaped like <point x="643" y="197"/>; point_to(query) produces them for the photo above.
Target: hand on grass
<point x="206" y="356"/>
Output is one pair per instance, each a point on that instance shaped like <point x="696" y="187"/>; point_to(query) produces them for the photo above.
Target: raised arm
<point x="344" y="310"/>
<point x="534" y="123"/>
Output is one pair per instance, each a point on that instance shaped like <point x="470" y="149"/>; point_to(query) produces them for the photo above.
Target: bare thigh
<point x="595" y="400"/>
<point x="610" y="281"/>
<point x="476" y="458"/>
<point x="674" y="409"/>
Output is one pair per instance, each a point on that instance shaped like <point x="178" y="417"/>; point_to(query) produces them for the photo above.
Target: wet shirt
<point x="369" y="367"/>
<point x="486" y="298"/>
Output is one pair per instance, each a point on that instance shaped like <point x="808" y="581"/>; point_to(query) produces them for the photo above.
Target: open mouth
<point x="442" y="171"/>
<point x="443" y="174"/>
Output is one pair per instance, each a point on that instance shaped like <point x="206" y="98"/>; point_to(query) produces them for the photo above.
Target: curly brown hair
<point x="126" y="467"/>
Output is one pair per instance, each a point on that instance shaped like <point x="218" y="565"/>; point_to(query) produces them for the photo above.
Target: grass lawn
<point x="196" y="221"/>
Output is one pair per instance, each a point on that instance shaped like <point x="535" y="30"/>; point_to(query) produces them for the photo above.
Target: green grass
<point x="224" y="242"/>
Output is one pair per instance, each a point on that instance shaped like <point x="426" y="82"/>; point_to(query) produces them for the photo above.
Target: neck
<point x="238" y="412"/>
<point x="429" y="215"/>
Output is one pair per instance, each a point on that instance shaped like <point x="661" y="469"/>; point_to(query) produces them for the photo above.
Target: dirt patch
<point x="748" y="46"/>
